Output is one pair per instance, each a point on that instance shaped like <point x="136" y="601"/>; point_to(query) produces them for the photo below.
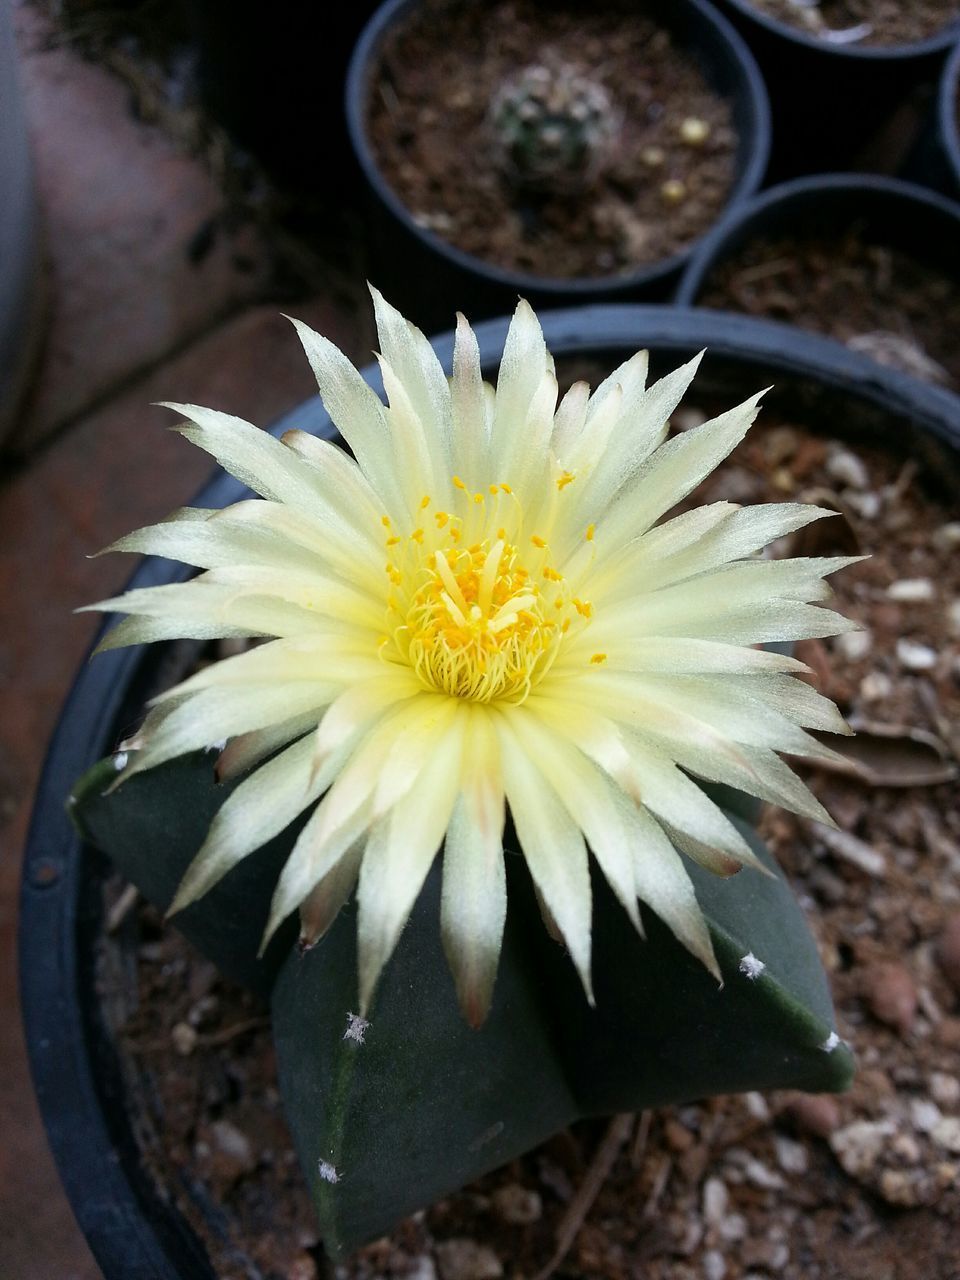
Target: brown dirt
<point x="890" y="22"/>
<point x="874" y="298"/>
<point x="428" y="126"/>
<point x="861" y="1187"/>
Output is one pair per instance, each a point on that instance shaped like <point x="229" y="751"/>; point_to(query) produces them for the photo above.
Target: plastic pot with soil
<point x="157" y="1078"/>
<point x="848" y="79"/>
<point x="868" y="261"/>
<point x="561" y="152"/>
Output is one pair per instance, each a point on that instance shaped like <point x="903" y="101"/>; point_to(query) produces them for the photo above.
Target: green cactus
<point x="553" y="128"/>
<point x="391" y="1114"/>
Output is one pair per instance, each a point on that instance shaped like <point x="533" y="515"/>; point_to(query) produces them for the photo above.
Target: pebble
<point x="792" y="1157"/>
<point x="900" y="1187"/>
<point x="694" y="132"/>
<point x="184" y="1038"/>
<point x="714" y="1265"/>
<point x="892" y="996"/>
<point x="944" y="1089"/>
<point x="858" y="1146"/>
<point x="673" y="191"/>
<point x="846" y="468"/>
<point x="517" y="1205"/>
<point x="907" y="1148"/>
<point x="866" y="505"/>
<point x="461" y="1259"/>
<point x="875" y="686"/>
<point x="948" y="951"/>
<point x="953" y="617"/>
<point x="716" y="1200"/>
<point x="818" y="1114"/>
<point x="946" y="1134"/>
<point x="947" y="536"/>
<point x="422" y="1268"/>
<point x="677" y="1136"/>
<point x="915" y="656"/>
<point x="911" y="590"/>
<point x="231" y="1150"/>
<point x="854" y="645"/>
<point x="924" y="1115"/>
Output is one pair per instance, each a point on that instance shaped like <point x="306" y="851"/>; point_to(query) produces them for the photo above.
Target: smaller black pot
<point x="837" y="106"/>
<point x="904" y="216"/>
<point x="430" y="279"/>
<point x="948" y="117"/>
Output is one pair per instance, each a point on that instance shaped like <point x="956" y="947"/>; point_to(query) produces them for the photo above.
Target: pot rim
<point x="711" y="247"/>
<point x="131" y="1231"/>
<point x="930" y="45"/>
<point x="565" y="290"/>
<point x="948" y="110"/>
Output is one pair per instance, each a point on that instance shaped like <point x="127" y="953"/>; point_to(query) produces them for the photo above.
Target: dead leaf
<point x="887" y="755"/>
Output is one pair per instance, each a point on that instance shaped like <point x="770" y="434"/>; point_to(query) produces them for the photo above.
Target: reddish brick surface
<point x="133" y="272"/>
<point x="114" y="471"/>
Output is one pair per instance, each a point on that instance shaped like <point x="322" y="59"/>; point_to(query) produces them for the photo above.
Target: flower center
<point x="480" y="622"/>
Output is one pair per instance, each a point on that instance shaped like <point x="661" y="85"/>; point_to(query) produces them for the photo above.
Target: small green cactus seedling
<point x="553" y="127"/>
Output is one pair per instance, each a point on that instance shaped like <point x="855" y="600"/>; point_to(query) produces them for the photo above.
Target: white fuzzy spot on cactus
<point x="356" y="1028"/>
<point x="751" y="967"/>
<point x="217" y="746"/>
<point x="327" y="1171"/>
<point x="830" y="1043"/>
<point x="120" y="761"/>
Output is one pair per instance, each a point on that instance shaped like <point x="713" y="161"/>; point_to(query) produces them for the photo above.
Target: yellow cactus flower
<point x="483" y="609"/>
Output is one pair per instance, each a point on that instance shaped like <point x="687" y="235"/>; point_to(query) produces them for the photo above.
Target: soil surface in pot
<point x="669" y="172"/>
<point x="871" y="22"/>
<point x="873" y="298"/>
<point x="860" y="1187"/>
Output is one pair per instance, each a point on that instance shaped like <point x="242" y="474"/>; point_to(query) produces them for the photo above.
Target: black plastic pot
<point x="948" y="117"/>
<point x="86" y="1086"/>
<point x="430" y="279"/>
<point x="839" y="106"/>
<point x="907" y="217"/>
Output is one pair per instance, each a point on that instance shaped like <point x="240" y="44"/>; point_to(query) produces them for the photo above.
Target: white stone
<point x="846" y="467"/>
<point x="854" y="645"/>
<point x="911" y="590"/>
<point x="953" y="617"/>
<point x="714" y="1265"/>
<point x="792" y="1157"/>
<point x="461" y="1259"/>
<point x="946" y="1133"/>
<point x="716" y="1199"/>
<point x="924" y="1115"/>
<point x="875" y="686"/>
<point x="944" y="1089"/>
<point x="915" y="656"/>
<point x="859" y="1146"/>
<point x="947" y="536"/>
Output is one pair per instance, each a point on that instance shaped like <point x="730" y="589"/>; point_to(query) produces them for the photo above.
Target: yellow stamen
<point x="567" y="478"/>
<point x="392" y="540"/>
<point x="591" y="530"/>
<point x="424" y="502"/>
<point x="385" y="521"/>
<point x="458" y="483"/>
<point x="598" y="658"/>
<point x="537" y="540"/>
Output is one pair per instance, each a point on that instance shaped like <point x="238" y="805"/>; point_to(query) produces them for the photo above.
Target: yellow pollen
<point x="565" y="625"/>
<point x="458" y="483"/>
<point x="424" y="502"/>
<point x="537" y="540"/>
<point x="385" y="521"/>
<point x="598" y="658"/>
<point x="502" y="533"/>
<point x="506" y="488"/>
<point x="583" y="607"/>
<point x="442" y="518"/>
<point x="417" y="535"/>
<point x="551" y="574"/>
<point x="591" y="530"/>
<point x="478" y="497"/>
<point x="567" y="478"/>
<point x="493" y="488"/>
<point x="392" y="540"/>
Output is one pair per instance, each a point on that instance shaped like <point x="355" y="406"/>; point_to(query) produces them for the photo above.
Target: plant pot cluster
<point x="865" y="377"/>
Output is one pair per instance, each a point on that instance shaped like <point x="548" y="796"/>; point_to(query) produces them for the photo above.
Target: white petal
<point x="474" y="899"/>
<point x="398" y="856"/>
<point x="553" y="847"/>
<point x="322" y="904"/>
<point x="469" y="408"/>
<point x="356" y="412"/>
